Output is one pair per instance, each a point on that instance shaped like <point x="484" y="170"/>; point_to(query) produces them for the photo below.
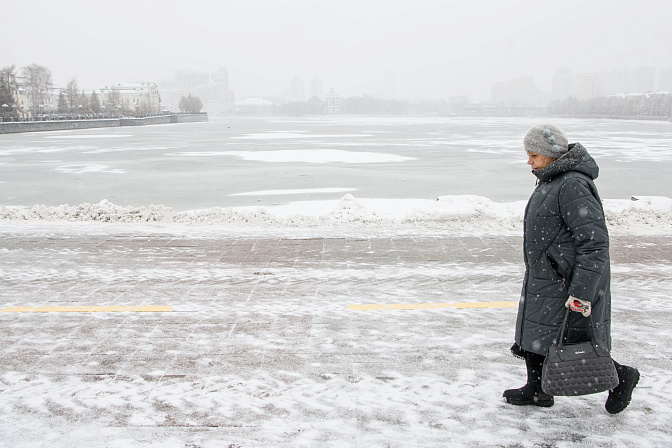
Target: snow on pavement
<point x="261" y="350"/>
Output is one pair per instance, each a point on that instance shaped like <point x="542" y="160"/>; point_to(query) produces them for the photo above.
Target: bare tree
<point x="37" y="82"/>
<point x="113" y="103"/>
<point x="94" y="103"/>
<point x="9" y="86"/>
<point x="83" y="106"/>
<point x="63" y="106"/>
<point x="191" y="104"/>
<point x="71" y="90"/>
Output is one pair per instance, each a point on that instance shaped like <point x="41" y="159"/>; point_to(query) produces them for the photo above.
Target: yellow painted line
<point x="430" y="306"/>
<point x="87" y="309"/>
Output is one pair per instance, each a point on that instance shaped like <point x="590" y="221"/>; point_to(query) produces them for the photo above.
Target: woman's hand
<point x="578" y="305"/>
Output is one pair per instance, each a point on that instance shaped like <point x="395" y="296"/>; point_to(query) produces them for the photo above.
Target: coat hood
<point x="576" y="159"/>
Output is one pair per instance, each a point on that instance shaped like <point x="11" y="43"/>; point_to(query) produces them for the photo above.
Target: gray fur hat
<point x="547" y="140"/>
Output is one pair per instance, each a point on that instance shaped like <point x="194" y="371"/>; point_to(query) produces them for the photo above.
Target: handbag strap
<point x="590" y="329"/>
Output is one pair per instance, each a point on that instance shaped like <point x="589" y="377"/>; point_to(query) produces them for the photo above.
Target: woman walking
<point x="566" y="253"/>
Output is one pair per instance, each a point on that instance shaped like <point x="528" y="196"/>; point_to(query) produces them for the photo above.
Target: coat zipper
<point x="555" y="267"/>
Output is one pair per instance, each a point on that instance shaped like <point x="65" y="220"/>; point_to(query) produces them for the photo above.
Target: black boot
<point x="531" y="393"/>
<point x="620" y="396"/>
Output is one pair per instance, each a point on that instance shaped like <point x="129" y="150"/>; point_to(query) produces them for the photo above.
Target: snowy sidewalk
<point x="255" y="345"/>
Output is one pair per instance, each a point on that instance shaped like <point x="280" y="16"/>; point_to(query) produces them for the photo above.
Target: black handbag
<point x="578" y="369"/>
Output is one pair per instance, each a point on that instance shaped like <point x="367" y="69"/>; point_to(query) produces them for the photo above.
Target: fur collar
<point x="567" y="162"/>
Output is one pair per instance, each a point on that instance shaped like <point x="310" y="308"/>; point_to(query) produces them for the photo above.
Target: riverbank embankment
<point x="63" y="125"/>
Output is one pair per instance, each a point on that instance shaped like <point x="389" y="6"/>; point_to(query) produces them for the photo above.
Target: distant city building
<point x="332" y="103"/>
<point x="21" y="104"/>
<point x="618" y="81"/>
<point x="188" y="79"/>
<point x="216" y="96"/>
<point x="517" y="92"/>
<point x="563" y="84"/>
<point x="220" y="76"/>
<point x="316" y="88"/>
<point x="212" y="89"/>
<point x="46" y="104"/>
<point x="665" y="79"/>
<point x="21" y="101"/>
<point x="456" y="103"/>
<point x="589" y="85"/>
<point x="296" y="89"/>
<point x="645" y="79"/>
<point x="141" y="97"/>
<point x="629" y="80"/>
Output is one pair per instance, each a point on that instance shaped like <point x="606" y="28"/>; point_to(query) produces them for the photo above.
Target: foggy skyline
<point x="434" y="49"/>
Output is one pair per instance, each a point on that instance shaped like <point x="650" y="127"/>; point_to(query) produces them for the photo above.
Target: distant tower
<point x="316" y="88"/>
<point x="296" y="89"/>
<point x="332" y="103"/>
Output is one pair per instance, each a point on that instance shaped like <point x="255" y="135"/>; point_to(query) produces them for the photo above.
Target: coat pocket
<point x="543" y="281"/>
<point x="559" y="266"/>
<point x="555" y="270"/>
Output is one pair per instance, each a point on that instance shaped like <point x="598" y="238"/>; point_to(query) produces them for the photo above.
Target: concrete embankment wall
<point x="37" y="126"/>
<point x="63" y="125"/>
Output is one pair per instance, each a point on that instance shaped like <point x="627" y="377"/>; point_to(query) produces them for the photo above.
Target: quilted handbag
<point x="578" y="369"/>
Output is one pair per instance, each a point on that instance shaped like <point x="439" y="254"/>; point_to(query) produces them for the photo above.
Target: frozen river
<point x="230" y="162"/>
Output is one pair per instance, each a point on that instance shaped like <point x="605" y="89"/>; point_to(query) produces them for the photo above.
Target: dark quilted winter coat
<point x="566" y="246"/>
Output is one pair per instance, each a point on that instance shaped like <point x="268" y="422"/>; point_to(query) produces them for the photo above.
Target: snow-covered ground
<point x="641" y="214"/>
<point x="263" y="349"/>
<point x="264" y="236"/>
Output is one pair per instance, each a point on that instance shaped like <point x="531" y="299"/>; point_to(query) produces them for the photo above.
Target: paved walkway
<point x="253" y="343"/>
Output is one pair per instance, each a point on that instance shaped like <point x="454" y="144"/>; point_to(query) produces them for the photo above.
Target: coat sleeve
<point x="584" y="216"/>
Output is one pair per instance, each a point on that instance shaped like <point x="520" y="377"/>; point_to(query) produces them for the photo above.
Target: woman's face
<point x="538" y="161"/>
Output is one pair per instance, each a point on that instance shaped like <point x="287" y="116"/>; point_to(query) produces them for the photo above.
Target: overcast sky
<point x="433" y="48"/>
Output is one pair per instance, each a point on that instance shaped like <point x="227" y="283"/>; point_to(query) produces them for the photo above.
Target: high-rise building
<point x="220" y="76"/>
<point x="589" y="85"/>
<point x="219" y="86"/>
<point x="188" y="79"/>
<point x="665" y="79"/>
<point x="629" y="80"/>
<point x="617" y="81"/>
<point x="563" y="84"/>
<point x="212" y="89"/>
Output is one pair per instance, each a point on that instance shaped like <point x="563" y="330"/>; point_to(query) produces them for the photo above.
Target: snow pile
<point x="646" y="213"/>
<point x="104" y="211"/>
<point x="639" y="212"/>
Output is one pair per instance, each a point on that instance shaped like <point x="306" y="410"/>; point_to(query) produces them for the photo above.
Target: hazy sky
<point x="434" y="48"/>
